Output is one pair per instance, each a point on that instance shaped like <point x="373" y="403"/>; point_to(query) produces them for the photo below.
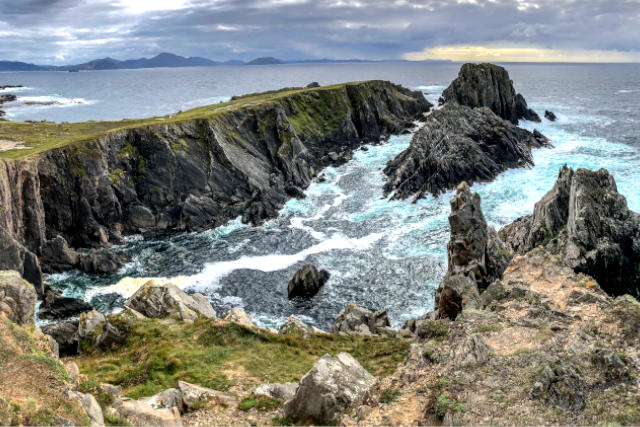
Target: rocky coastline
<point x="534" y="324"/>
<point x="190" y="175"/>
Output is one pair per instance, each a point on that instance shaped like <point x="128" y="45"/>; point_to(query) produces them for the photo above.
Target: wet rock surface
<point x="307" y="282"/>
<point x="456" y="144"/>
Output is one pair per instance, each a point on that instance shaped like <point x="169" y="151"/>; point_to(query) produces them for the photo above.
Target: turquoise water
<point x="386" y="254"/>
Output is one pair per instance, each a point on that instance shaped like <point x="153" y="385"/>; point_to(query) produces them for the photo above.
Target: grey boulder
<point x="157" y="300"/>
<point x="307" y="281"/>
<point x="354" y="319"/>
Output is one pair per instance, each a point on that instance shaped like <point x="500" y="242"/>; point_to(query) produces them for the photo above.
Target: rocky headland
<point x="473" y="137"/>
<point x="87" y="185"/>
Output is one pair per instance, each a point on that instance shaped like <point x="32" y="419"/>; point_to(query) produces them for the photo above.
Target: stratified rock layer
<point x="456" y="144"/>
<point x="585" y="220"/>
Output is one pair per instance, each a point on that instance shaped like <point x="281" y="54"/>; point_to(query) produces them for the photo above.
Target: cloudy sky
<point x="72" y="31"/>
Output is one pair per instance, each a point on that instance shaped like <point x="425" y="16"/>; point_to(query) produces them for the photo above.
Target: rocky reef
<point x="246" y="158"/>
<point x="456" y="144"/>
<point x="473" y="137"/>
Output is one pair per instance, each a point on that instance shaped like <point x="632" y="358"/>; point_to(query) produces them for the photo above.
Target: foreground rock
<point x="353" y="319"/>
<point x="587" y="222"/>
<point x="334" y="384"/>
<point x="456" y="144"/>
<point x="476" y="256"/>
<point x="165" y="299"/>
<point x="238" y="315"/>
<point x="307" y="281"/>
<point x="284" y="392"/>
<point x="17" y="298"/>
<point x="193" y="395"/>
<point x="489" y="85"/>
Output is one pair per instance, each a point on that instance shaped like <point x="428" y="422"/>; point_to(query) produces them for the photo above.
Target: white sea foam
<point x="210" y="276"/>
<point x="15" y="89"/>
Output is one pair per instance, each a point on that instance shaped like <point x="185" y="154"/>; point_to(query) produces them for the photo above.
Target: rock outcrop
<point x="237" y="315"/>
<point x="55" y="306"/>
<point x="549" y="115"/>
<point x="585" y="220"/>
<point x="334" y="384"/>
<point x="353" y="319"/>
<point x="307" y="281"/>
<point x="489" y="85"/>
<point x="57" y="256"/>
<point x="14" y="256"/>
<point x="456" y="144"/>
<point x="245" y="160"/>
<point x="17" y="298"/>
<point x="476" y="256"/>
<point x="166" y="299"/>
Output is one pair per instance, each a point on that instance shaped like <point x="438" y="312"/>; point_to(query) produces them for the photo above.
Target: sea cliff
<point x="91" y="183"/>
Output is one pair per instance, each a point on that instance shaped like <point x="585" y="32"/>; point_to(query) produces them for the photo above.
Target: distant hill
<point x="267" y="60"/>
<point x="19" y="66"/>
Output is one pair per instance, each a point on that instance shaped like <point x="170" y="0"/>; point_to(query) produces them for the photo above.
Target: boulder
<point x="587" y="222"/>
<point x="89" y="323"/>
<point x="114" y="390"/>
<point x="73" y="372"/>
<point x="90" y="405"/>
<point x="110" y="337"/>
<point x="550" y="116"/>
<point x="488" y="85"/>
<point x="307" y="281"/>
<point x="55" y="306"/>
<point x="284" y="392"/>
<point x="17" y="298"/>
<point x="170" y="398"/>
<point x="294" y="325"/>
<point x="57" y="256"/>
<point x="353" y="319"/>
<point x="156" y="300"/>
<point x="194" y="395"/>
<point x="101" y="262"/>
<point x="237" y="315"/>
<point x="459" y="143"/>
<point x="334" y="384"/>
<point x="141" y="412"/>
<point x="65" y="334"/>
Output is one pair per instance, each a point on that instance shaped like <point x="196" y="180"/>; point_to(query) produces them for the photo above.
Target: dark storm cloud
<point x="77" y="30"/>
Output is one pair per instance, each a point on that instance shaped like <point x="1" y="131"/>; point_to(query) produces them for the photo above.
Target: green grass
<point x="43" y="136"/>
<point x="487" y="327"/>
<point x="261" y="403"/>
<point x="157" y="354"/>
<point x="390" y="395"/>
<point x="444" y="404"/>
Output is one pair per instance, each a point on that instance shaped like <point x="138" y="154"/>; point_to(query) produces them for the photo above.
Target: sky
<point x="73" y="31"/>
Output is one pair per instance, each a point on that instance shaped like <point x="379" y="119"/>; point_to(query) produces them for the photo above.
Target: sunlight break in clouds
<point x="473" y="53"/>
<point x="143" y="6"/>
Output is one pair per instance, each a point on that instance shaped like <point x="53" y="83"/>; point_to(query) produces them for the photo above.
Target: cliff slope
<point x="91" y="183"/>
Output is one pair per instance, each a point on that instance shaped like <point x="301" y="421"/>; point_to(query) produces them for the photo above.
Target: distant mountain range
<point x="161" y="60"/>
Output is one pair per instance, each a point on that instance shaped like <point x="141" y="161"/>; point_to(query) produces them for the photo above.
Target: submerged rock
<point x="307" y="281"/>
<point x="166" y="299"/>
<point x="488" y="85"/>
<point x="334" y="384"/>
<point x="17" y="298"/>
<point x="353" y="319"/>
<point x="585" y="220"/>
<point x="456" y="144"/>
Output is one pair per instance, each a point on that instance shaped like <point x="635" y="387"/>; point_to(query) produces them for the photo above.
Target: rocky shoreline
<point x="186" y="176"/>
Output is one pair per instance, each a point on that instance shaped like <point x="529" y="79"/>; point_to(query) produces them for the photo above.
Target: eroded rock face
<point x="459" y="143"/>
<point x="476" y="255"/>
<point x="307" y="281"/>
<point x="587" y="221"/>
<point x="163" y="300"/>
<point x="15" y="256"/>
<point x="334" y="384"/>
<point x="353" y="319"/>
<point x="489" y="85"/>
<point x="17" y="298"/>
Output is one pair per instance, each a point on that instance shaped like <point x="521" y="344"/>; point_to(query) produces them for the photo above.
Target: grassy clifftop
<point x="35" y="137"/>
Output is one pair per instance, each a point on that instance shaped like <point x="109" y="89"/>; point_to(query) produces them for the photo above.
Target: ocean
<point x="381" y="254"/>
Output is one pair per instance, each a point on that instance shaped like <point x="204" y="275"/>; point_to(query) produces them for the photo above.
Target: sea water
<point x="381" y="253"/>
